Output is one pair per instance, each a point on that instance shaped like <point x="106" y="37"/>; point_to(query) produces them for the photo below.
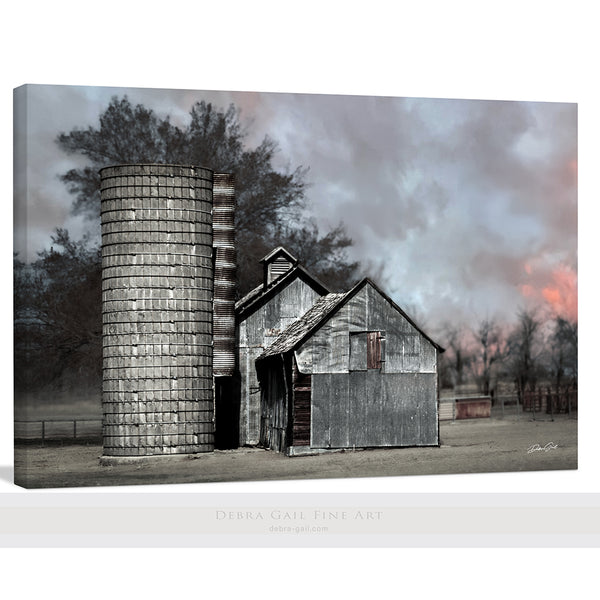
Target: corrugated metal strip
<point x="225" y="273"/>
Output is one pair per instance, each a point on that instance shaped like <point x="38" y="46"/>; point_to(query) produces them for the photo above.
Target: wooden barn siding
<point x="275" y="408"/>
<point x="301" y="386"/>
<point x="256" y="333"/>
<point x="365" y="409"/>
<point x="405" y="349"/>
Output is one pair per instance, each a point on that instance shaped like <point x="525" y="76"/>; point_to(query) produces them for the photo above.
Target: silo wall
<point x="157" y="306"/>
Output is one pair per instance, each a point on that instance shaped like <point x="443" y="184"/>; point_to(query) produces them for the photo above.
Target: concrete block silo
<point x="157" y="303"/>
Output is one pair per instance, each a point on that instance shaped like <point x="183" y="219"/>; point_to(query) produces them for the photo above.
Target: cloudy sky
<point x="469" y="207"/>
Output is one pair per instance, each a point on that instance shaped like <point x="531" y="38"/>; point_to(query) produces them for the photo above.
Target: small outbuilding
<point x="353" y="372"/>
<point x="285" y="294"/>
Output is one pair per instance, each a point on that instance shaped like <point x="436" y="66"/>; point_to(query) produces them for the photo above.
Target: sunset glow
<point x="562" y="293"/>
<point x="559" y="294"/>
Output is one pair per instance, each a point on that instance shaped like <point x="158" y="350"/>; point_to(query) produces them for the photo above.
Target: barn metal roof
<point x="298" y="330"/>
<point x="252" y="294"/>
<point x="301" y="329"/>
<point x="262" y="293"/>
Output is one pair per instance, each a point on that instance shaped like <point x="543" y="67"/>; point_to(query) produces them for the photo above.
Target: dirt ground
<point x="498" y="444"/>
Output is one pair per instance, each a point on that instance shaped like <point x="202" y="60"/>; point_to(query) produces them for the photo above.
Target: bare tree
<point x="562" y="363"/>
<point x="458" y="357"/>
<point x="491" y="349"/>
<point x="524" y="352"/>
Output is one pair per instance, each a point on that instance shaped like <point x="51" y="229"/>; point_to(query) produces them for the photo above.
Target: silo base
<point x="113" y="461"/>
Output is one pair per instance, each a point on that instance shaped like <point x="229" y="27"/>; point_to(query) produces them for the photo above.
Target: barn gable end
<point x="373" y="379"/>
<point x="405" y="348"/>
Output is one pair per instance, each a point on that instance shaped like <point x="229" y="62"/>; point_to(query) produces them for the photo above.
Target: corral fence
<point x="542" y="401"/>
<point x="546" y="400"/>
<point x="58" y="429"/>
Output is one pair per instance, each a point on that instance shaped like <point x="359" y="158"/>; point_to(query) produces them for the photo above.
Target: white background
<point x="512" y="50"/>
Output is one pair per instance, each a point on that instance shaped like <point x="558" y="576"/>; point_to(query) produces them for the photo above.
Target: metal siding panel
<point x="357" y="408"/>
<point x="393" y="353"/>
<point x="374" y="405"/>
<point x="338" y="426"/>
<point x="408" y="413"/>
<point x="419" y="414"/>
<point x="320" y="417"/>
<point x="357" y="312"/>
<point x="411" y="355"/>
<point x="243" y="422"/>
<point x="372" y="409"/>
<point x="358" y="352"/>
<point x="394" y="405"/>
<point x="429" y="427"/>
<point x="343" y="392"/>
<point x="303" y="357"/>
<point x="374" y="316"/>
<point x="320" y="349"/>
<point x="339" y="347"/>
<point x="328" y="349"/>
<point x="428" y="356"/>
<point x="295" y="300"/>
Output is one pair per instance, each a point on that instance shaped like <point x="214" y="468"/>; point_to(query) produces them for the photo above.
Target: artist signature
<point x="537" y="448"/>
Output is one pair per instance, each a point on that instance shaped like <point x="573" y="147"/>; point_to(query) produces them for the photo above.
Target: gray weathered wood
<point x="256" y="332"/>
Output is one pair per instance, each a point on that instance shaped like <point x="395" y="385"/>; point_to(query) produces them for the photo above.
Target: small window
<point x="374" y="350"/>
<point x="366" y="350"/>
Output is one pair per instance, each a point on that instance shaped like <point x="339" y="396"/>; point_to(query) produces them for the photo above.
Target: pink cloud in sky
<point x="558" y="292"/>
<point x="561" y="294"/>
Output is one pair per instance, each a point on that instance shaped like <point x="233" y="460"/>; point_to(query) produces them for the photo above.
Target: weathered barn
<point x="353" y="372"/>
<point x="286" y="293"/>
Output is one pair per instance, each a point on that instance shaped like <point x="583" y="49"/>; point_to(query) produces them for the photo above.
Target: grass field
<point x="87" y="406"/>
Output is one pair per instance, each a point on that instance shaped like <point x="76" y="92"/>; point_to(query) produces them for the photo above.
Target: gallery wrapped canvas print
<point x="241" y="286"/>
